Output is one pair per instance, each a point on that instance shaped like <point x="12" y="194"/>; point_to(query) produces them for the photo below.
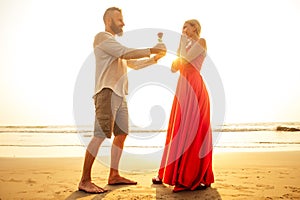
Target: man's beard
<point x="118" y="31"/>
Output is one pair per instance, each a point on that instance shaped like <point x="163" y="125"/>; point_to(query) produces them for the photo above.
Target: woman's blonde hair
<point x="195" y="23"/>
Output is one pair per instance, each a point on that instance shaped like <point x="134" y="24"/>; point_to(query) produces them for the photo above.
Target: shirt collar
<point x="109" y="33"/>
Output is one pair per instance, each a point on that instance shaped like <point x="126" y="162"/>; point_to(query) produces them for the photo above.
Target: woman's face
<point x="188" y="30"/>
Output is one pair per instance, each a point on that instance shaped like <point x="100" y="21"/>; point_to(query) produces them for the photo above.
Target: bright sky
<point x="254" y="45"/>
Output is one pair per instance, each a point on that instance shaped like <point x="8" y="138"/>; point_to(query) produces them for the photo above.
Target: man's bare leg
<point x="86" y="183"/>
<point x="116" y="152"/>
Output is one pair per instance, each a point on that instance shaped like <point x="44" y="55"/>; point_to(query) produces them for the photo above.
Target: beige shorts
<point x="111" y="114"/>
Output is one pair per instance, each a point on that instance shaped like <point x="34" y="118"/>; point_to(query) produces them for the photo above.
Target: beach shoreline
<point x="238" y="175"/>
<point x="61" y="143"/>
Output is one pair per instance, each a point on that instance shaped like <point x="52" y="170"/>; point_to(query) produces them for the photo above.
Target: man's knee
<point x="121" y="136"/>
<point x="97" y="140"/>
<point x="120" y="139"/>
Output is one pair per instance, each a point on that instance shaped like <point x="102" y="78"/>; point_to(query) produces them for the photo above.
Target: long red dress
<point x="187" y="157"/>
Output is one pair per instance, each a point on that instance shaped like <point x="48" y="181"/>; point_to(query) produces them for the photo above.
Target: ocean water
<point x="71" y="141"/>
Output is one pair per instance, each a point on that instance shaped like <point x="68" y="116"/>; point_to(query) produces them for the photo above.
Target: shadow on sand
<point x="161" y="192"/>
<point x="166" y="192"/>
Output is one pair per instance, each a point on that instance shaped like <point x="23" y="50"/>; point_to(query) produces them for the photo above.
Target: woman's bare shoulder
<point x="202" y="42"/>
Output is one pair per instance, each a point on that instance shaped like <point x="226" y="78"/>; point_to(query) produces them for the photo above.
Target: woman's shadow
<point x="166" y="192"/>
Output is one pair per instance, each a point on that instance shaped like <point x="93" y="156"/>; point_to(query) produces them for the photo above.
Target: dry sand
<point x="255" y="175"/>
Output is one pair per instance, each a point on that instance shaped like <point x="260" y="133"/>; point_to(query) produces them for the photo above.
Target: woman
<point x="187" y="158"/>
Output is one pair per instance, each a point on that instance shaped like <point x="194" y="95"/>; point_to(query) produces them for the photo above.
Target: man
<point x="112" y="59"/>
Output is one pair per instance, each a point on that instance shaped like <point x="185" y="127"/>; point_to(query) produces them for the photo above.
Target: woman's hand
<point x="176" y="64"/>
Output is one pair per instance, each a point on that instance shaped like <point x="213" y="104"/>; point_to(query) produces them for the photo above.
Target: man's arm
<point x="141" y="63"/>
<point x="136" y="54"/>
<point x="160" y="48"/>
<point x="114" y="48"/>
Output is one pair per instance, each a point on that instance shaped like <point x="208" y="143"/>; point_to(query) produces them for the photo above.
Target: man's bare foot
<point x="90" y="187"/>
<point x="119" y="180"/>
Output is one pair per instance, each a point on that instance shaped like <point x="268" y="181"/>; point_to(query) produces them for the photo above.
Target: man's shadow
<point x="80" y="194"/>
<point x="162" y="192"/>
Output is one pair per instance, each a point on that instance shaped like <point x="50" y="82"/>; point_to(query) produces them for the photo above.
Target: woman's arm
<point x="202" y="43"/>
<point x="199" y="48"/>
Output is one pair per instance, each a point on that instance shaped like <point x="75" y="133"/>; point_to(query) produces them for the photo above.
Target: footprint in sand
<point x="14" y="180"/>
<point x="10" y="180"/>
<point x="42" y="173"/>
<point x="293" y="189"/>
<point x="267" y="187"/>
<point x="30" y="181"/>
<point x="268" y="198"/>
<point x="284" y="173"/>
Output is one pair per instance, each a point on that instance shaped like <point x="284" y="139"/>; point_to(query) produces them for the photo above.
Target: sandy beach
<point x="238" y="175"/>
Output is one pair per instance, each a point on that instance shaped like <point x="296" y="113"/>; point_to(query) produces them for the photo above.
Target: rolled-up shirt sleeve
<point x="114" y="48"/>
<point x="136" y="54"/>
<point x="140" y="63"/>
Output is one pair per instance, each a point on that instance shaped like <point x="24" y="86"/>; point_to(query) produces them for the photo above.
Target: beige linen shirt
<point x="112" y="59"/>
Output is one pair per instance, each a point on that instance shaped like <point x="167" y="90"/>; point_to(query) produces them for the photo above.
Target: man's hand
<point x="159" y="48"/>
<point x="159" y="56"/>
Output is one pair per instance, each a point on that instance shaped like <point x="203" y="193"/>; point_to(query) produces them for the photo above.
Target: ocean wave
<point x="249" y="127"/>
<point x="242" y="145"/>
<point x="241" y="127"/>
<point x="283" y="128"/>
